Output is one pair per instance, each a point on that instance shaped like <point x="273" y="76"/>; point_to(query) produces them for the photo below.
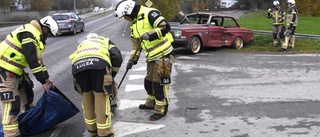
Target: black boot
<point x="143" y="106"/>
<point x="282" y="50"/>
<point x="155" y="117"/>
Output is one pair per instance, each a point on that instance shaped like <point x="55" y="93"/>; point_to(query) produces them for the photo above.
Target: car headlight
<point x="177" y="33"/>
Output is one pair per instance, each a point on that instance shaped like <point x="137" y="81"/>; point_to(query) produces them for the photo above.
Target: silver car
<point x="69" y="23"/>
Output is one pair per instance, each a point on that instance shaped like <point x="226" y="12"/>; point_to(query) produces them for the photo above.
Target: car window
<point x="60" y="17"/>
<point x="215" y="21"/>
<point x="229" y="23"/>
<point x="197" y="19"/>
<point x="73" y="16"/>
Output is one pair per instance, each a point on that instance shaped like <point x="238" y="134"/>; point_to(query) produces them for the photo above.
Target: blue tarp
<point x="1" y="131"/>
<point x="51" y="109"/>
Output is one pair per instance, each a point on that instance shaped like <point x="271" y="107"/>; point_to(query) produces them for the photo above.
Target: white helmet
<point x="275" y="3"/>
<point x="92" y="35"/>
<point x="49" y="22"/>
<point x="124" y="7"/>
<point x="292" y="1"/>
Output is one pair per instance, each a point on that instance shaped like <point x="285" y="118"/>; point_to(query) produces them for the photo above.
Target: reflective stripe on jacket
<point x="293" y="11"/>
<point x="11" y="55"/>
<point x="89" y="54"/>
<point x="278" y="16"/>
<point x="153" y="49"/>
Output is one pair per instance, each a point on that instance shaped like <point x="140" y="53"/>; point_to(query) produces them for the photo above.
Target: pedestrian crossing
<point x="131" y="95"/>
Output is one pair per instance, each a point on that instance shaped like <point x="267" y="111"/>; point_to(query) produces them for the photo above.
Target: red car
<point x="203" y="29"/>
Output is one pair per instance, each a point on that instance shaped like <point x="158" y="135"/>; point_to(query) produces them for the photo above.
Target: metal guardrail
<point x="297" y="35"/>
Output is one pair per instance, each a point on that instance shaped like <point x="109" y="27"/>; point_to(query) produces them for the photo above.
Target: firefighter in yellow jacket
<point x="150" y="31"/>
<point x="292" y="22"/>
<point x="94" y="65"/>
<point x="23" y="47"/>
<point x="278" y="16"/>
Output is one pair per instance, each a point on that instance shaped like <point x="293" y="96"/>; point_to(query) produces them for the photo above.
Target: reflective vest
<point x="153" y="49"/>
<point x="278" y="16"/>
<point x="92" y="48"/>
<point x="11" y="55"/>
<point x="292" y="10"/>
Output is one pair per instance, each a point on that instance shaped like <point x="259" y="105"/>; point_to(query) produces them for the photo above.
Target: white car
<point x="102" y="9"/>
<point x="96" y="9"/>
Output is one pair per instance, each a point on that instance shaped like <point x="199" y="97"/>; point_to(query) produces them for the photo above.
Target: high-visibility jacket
<point x="292" y="17"/>
<point x="11" y="57"/>
<point x="278" y="16"/>
<point x="153" y="49"/>
<point x="94" y="53"/>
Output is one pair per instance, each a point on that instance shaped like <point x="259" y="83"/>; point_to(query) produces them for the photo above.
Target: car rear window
<point x="61" y="17"/>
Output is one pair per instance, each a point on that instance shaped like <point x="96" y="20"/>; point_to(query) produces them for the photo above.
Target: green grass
<point x="257" y="20"/>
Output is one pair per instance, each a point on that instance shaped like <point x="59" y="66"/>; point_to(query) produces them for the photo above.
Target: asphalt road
<point x="216" y="93"/>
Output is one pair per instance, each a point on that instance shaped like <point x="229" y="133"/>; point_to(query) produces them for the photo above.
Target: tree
<point x="168" y="8"/>
<point x="4" y="5"/>
<point x="200" y="5"/>
<point x="41" y="5"/>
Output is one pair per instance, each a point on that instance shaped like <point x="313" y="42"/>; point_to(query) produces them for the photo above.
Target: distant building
<point x="19" y="5"/>
<point x="227" y="3"/>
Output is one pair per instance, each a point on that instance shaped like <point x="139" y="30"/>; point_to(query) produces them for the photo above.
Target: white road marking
<point x="141" y="69"/>
<point x="130" y="88"/>
<point x="125" y="104"/>
<point x="134" y="77"/>
<point x="127" y="128"/>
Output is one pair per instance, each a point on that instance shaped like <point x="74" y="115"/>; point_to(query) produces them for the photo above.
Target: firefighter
<point x="94" y="65"/>
<point x="23" y="47"/>
<point x="292" y="22"/>
<point x="278" y="17"/>
<point x="150" y="31"/>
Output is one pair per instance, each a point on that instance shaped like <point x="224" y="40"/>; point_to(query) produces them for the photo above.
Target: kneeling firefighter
<point x="95" y="63"/>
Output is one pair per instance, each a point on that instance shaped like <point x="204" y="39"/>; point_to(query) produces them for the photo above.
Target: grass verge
<point x="258" y="20"/>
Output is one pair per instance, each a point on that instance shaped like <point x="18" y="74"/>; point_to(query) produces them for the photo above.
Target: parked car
<point x="203" y="29"/>
<point x="69" y="23"/>
<point x="102" y="9"/>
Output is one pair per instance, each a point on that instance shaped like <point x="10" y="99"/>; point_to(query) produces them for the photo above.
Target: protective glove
<point x="129" y="64"/>
<point x="290" y="26"/>
<point x="269" y="10"/>
<point x="145" y="36"/>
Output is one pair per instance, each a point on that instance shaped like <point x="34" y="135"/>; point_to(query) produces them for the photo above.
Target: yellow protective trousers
<point x="13" y="99"/>
<point x="157" y="93"/>
<point x="97" y="112"/>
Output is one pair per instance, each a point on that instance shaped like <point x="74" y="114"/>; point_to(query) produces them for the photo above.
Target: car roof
<point x="211" y="13"/>
<point x="67" y="13"/>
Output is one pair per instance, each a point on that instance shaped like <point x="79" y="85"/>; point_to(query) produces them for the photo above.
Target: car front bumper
<point x="179" y="43"/>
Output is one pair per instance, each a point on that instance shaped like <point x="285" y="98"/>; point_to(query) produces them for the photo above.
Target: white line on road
<point x="127" y="128"/>
<point x="130" y="88"/>
<point x="125" y="104"/>
<point x="134" y="77"/>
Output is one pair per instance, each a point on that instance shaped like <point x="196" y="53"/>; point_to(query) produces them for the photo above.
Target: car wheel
<point x="82" y="30"/>
<point x="194" y="45"/>
<point x="74" y="30"/>
<point x="238" y="43"/>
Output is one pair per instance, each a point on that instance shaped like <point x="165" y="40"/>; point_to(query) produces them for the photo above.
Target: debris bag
<point x="1" y="131"/>
<point x="51" y="109"/>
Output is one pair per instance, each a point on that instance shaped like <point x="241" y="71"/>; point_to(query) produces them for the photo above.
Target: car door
<point x="79" y="22"/>
<point x="76" y="21"/>
<point x="215" y="32"/>
<point x="231" y="29"/>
